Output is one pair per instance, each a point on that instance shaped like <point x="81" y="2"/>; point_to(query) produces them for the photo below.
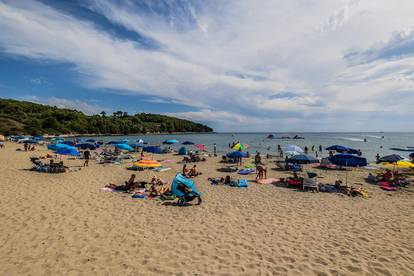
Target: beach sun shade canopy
<point x="237" y="154"/>
<point x="201" y="147"/>
<point x="170" y="142"/>
<point x="293" y="148"/>
<point x="391" y="158"/>
<point x="85" y="146"/>
<point x="153" y="149"/>
<point x="124" y="147"/>
<point x="348" y="160"/>
<point x="180" y="179"/>
<point x="147" y="164"/>
<point x="68" y="151"/>
<point x="188" y="143"/>
<point x="342" y="149"/>
<point x="240" y="146"/>
<point x="302" y="159"/>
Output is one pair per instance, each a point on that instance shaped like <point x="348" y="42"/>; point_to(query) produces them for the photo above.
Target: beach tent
<point x="147" y="164"/>
<point x="240" y="146"/>
<point x="293" y="148"/>
<point x="183" y="151"/>
<point x="187" y="143"/>
<point x="201" y="147"/>
<point x="124" y="147"/>
<point x="390" y="158"/>
<point x="302" y="159"/>
<point x="237" y="154"/>
<point x="180" y="179"/>
<point x="85" y="146"/>
<point x="342" y="149"/>
<point x="68" y="151"/>
<point x="348" y="160"/>
<point x="153" y="149"/>
<point x="170" y="142"/>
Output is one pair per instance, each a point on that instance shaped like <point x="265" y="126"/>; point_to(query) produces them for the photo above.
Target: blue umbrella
<point x="342" y="149"/>
<point x="293" y="148"/>
<point x="170" y="142"/>
<point x="68" y="151"/>
<point x="56" y="147"/>
<point x="153" y="149"/>
<point x="31" y="142"/>
<point x="237" y="154"/>
<point x="302" y="159"/>
<point x="187" y="143"/>
<point x="85" y="146"/>
<point x="124" y="147"/>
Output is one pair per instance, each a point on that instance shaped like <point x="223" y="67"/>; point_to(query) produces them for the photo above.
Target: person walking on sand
<point x="261" y="172"/>
<point x="86" y="156"/>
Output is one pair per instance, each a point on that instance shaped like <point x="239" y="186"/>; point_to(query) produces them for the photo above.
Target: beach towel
<point x="162" y="169"/>
<point x="242" y="183"/>
<point x="247" y="171"/>
<point x="268" y="181"/>
<point x="139" y="196"/>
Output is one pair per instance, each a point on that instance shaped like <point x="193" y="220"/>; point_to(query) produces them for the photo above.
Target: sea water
<point x="369" y="143"/>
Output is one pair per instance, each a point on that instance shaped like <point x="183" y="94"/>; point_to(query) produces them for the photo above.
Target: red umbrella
<point x="201" y="147"/>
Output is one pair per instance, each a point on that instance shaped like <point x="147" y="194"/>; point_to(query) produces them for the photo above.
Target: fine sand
<point x="64" y="224"/>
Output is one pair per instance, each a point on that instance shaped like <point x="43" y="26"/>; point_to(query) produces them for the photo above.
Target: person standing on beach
<point x="320" y="148"/>
<point x="86" y="156"/>
<point x="215" y="150"/>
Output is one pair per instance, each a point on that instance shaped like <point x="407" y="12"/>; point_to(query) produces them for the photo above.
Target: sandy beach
<point x="64" y="224"/>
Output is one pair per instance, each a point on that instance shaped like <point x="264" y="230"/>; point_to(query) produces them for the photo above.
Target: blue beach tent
<point x="180" y="179"/>
<point x="348" y="160"/>
<point x="153" y="149"/>
<point x="183" y="151"/>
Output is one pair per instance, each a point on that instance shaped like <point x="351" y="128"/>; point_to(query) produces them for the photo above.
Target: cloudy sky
<point x="242" y="65"/>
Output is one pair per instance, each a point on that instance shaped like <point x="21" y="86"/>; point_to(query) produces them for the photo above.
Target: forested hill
<point x="32" y="118"/>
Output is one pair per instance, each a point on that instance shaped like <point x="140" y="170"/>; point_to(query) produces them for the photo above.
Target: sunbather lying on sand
<point x="129" y="186"/>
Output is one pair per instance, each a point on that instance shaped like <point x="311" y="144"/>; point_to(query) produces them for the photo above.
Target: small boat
<point x="270" y="136"/>
<point x="410" y="149"/>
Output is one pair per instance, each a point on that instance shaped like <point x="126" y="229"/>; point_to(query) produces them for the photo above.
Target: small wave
<point x="352" y="139"/>
<point x="373" y="136"/>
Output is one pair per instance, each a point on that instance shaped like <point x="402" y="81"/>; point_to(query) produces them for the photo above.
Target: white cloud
<point x="228" y="58"/>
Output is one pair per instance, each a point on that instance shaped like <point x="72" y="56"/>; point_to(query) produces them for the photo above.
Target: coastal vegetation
<point x="18" y="117"/>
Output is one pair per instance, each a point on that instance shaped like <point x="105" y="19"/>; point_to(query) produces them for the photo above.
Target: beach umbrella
<point x="293" y="148"/>
<point x="292" y="153"/>
<point x="85" y="146"/>
<point x="342" y="149"/>
<point x="237" y="154"/>
<point x="187" y="143"/>
<point x="147" y="164"/>
<point x="391" y="158"/>
<point x="170" y="142"/>
<point x="70" y="143"/>
<point x="31" y="142"/>
<point x="153" y="149"/>
<point x="56" y="147"/>
<point x="302" y="159"/>
<point x="68" y="151"/>
<point x="402" y="164"/>
<point x="240" y="146"/>
<point x="201" y="147"/>
<point x="124" y="147"/>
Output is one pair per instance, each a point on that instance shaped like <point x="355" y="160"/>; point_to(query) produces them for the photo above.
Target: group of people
<point x="27" y="147"/>
<point x="190" y="173"/>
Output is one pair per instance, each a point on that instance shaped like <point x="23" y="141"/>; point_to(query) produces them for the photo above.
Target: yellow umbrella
<point x="402" y="164"/>
<point x="147" y="164"/>
<point x="240" y="146"/>
<point x="2" y="138"/>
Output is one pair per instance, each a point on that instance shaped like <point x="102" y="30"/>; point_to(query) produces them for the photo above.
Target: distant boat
<point x="410" y="149"/>
<point x="270" y="136"/>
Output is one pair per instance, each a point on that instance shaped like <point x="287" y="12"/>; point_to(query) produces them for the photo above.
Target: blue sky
<point x="335" y="65"/>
